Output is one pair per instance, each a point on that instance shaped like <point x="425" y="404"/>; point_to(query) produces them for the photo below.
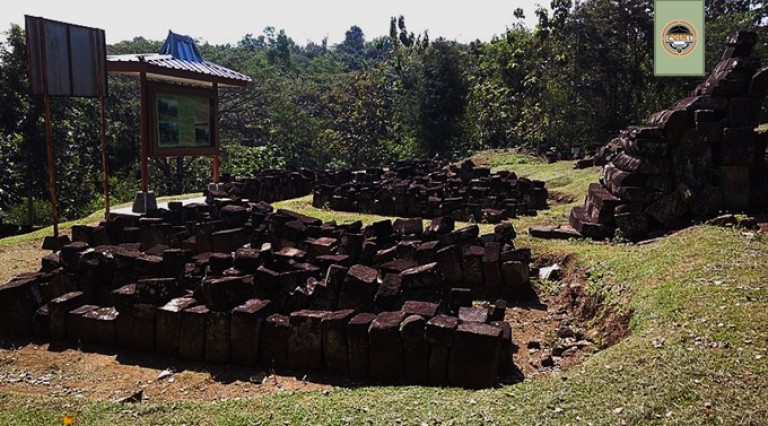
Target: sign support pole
<point x="49" y="135"/>
<point x="144" y="137"/>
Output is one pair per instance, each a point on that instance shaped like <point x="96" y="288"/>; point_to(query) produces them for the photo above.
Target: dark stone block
<point x="641" y="165"/>
<point x="474" y="360"/>
<point x="157" y="291"/>
<point x="359" y="289"/>
<point x="334" y="333"/>
<point x="472" y="266"/>
<point x="492" y="278"/>
<point x="388" y="295"/>
<point x="426" y="253"/>
<point x="473" y="314"/>
<point x="632" y="221"/>
<point x="449" y="260"/>
<point x="424" y="309"/>
<point x="144" y="319"/>
<point x="440" y="225"/>
<point x="273" y="341"/>
<point x="18" y="302"/>
<point x="516" y="274"/>
<point x="735" y="186"/>
<point x="168" y="327"/>
<point x="224" y="294"/>
<point x="386" y="347"/>
<point x="672" y="207"/>
<point x="247" y="260"/>
<point x="245" y="328"/>
<point x="228" y="240"/>
<point x="76" y="329"/>
<point x="506" y="366"/>
<point x="59" y="307"/>
<point x="192" y="338"/>
<point x="358" y="346"/>
<point x="554" y="232"/>
<point x="99" y="326"/>
<point x="305" y="343"/>
<point x="581" y="222"/>
<point x="421" y="277"/>
<point x="408" y="226"/>
<point x="738" y="146"/>
<point x="601" y="203"/>
<point x="415" y="350"/>
<point x="41" y="322"/>
<point x="439" y="333"/>
<point x="397" y="266"/>
<point x="217" y="343"/>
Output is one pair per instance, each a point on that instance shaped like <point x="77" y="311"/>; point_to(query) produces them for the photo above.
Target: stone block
<point x="359" y="289"/>
<point x="439" y="334"/>
<point x="245" y="328"/>
<point x="408" y="226"/>
<point x="582" y="223"/>
<point x="273" y="342"/>
<point x="424" y="309"/>
<point x="168" y="328"/>
<point x="76" y="331"/>
<point x="144" y="319"/>
<point x="19" y="300"/>
<point x="641" y="165"/>
<point x="415" y="350"/>
<point x="474" y="359"/>
<point x="389" y="295"/>
<point x="305" y="342"/>
<point x="157" y="291"/>
<point x="472" y="266"/>
<point x="358" y="346"/>
<point x="192" y="339"/>
<point x="224" y="294"/>
<point x="473" y="314"/>
<point x="334" y="335"/>
<point x="735" y="186"/>
<point x="601" y="203"/>
<point x="449" y="260"/>
<point x="386" y="347"/>
<point x="217" y="340"/>
<point x="506" y="366"/>
<point x="555" y="232"/>
<point x="738" y="146"/>
<point x="99" y="326"/>
<point x="632" y="221"/>
<point x="58" y="308"/>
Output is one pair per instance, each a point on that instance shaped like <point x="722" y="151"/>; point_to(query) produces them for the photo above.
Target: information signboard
<point x="182" y="121"/>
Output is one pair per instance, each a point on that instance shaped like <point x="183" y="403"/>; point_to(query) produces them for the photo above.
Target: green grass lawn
<point x="697" y="352"/>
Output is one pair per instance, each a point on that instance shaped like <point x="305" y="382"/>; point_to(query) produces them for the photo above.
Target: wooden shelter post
<point x="49" y="135"/>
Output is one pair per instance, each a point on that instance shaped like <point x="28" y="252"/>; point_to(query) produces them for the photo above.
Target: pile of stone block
<point x="425" y="189"/>
<point x="241" y="283"/>
<point x="687" y="162"/>
<point x="268" y="186"/>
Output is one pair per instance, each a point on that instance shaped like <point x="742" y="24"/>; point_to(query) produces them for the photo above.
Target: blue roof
<point x="181" y="47"/>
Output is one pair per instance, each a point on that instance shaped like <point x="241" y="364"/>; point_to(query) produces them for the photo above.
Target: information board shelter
<point x="179" y="104"/>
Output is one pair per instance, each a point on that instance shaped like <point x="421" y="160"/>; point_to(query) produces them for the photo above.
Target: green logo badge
<point x="679" y="38"/>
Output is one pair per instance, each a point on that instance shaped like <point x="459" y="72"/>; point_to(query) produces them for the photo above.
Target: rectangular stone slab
<point x="217" y="346"/>
<point x="168" y="328"/>
<point x="100" y="326"/>
<point x="474" y="360"/>
<point x="18" y="302"/>
<point x="357" y="344"/>
<point x="192" y="337"/>
<point x="334" y="333"/>
<point x="305" y="341"/>
<point x="415" y="350"/>
<point x="386" y="347"/>
<point x="245" y="329"/>
<point x="273" y="341"/>
<point x="59" y="307"/>
<point x="439" y="333"/>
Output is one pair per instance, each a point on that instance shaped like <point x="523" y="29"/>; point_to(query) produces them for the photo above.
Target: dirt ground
<point x="18" y="258"/>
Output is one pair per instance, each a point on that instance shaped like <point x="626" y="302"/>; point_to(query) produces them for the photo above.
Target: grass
<point x="696" y="355"/>
<point x="93" y="219"/>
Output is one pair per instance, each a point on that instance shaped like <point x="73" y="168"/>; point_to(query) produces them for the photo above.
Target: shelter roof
<point x="179" y="61"/>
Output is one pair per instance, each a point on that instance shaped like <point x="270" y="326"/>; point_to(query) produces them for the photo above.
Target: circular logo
<point x="679" y="38"/>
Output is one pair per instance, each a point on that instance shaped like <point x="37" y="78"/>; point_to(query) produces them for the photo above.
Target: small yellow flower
<point x="68" y="421"/>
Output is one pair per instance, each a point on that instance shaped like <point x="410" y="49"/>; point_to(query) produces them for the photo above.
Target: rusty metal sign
<point x="69" y="59"/>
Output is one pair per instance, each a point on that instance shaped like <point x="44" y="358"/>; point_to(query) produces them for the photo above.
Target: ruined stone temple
<point x="690" y="161"/>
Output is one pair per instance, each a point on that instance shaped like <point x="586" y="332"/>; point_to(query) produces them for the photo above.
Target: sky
<point x="225" y="21"/>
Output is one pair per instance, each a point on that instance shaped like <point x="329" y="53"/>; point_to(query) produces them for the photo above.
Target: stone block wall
<point x="242" y="283"/>
<point x="426" y="189"/>
<point x="689" y="161"/>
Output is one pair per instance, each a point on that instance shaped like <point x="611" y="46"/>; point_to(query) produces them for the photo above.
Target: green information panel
<point x="183" y="121"/>
<point x="678" y="48"/>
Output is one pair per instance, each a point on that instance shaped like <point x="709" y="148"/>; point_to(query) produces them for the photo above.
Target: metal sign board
<point x="65" y="59"/>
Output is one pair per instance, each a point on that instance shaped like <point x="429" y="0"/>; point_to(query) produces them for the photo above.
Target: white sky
<point x="226" y="21"/>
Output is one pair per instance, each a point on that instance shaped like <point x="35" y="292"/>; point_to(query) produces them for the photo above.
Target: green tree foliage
<point x="581" y="74"/>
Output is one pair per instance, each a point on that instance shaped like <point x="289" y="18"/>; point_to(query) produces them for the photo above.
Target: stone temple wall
<point x="690" y="161"/>
<point x="236" y="282"/>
